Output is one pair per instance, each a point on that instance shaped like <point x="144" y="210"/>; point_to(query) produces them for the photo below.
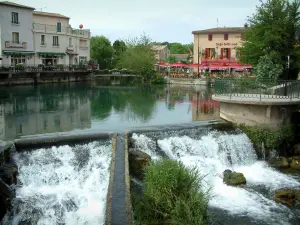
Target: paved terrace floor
<point x="256" y="99"/>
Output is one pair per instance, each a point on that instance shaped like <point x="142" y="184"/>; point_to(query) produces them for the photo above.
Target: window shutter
<point x="222" y="52"/>
<point x="206" y="53"/>
<point x="225" y="37"/>
<point x="229" y="53"/>
<point x="210" y="37"/>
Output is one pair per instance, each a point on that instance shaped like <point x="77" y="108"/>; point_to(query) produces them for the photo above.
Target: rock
<point x="233" y="178"/>
<point x="138" y="161"/>
<point x="279" y="162"/>
<point x="295" y="162"/>
<point x="6" y="195"/>
<point x="296" y="150"/>
<point x="288" y="197"/>
<point x="8" y="173"/>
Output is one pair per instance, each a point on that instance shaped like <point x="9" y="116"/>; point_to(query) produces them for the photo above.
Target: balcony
<point x="83" y="47"/>
<point x="10" y="44"/>
<point x="52" y="29"/>
<point x="70" y="48"/>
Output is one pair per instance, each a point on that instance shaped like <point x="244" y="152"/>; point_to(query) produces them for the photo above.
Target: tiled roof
<point x="159" y="47"/>
<point x="50" y="14"/>
<point x="180" y="56"/>
<point x="16" y="5"/>
<point x="220" y="30"/>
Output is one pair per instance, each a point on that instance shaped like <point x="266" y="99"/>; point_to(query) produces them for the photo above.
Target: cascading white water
<point x="215" y="152"/>
<point x="62" y="185"/>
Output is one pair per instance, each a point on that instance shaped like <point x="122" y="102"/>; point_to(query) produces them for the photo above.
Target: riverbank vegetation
<point x="171" y="195"/>
<point x="265" y="140"/>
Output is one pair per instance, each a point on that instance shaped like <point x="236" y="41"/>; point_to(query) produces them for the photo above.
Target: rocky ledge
<point x="284" y="162"/>
<point x="288" y="197"/>
<point x="8" y="176"/>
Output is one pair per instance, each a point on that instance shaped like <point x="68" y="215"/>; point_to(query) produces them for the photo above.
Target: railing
<point x="257" y="88"/>
<point x="45" y="28"/>
<point x="42" y="68"/>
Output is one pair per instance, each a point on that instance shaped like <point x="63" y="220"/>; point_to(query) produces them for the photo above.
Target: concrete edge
<point x="247" y="101"/>
<point x="127" y="183"/>
<point x="56" y="140"/>
<point x="174" y="128"/>
<point x="110" y="185"/>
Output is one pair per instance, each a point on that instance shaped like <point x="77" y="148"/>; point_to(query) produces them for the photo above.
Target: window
<point x="55" y="41"/>
<point x="210" y="53"/>
<point x="15" y="37"/>
<point x="225" y="37"/>
<point x="58" y="27"/>
<point x="70" y="42"/>
<point x="15" y="18"/>
<point x="225" y="53"/>
<point x="210" y="37"/>
<point x="43" y="39"/>
<point x="82" y="59"/>
<point x="16" y="59"/>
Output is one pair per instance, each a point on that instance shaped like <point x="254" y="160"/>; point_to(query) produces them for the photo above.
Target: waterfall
<point x="62" y="185"/>
<point x="214" y="151"/>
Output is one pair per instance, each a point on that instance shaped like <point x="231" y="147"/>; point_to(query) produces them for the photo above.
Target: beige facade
<point x="217" y="43"/>
<point x="56" y="42"/>
<point x="161" y="52"/>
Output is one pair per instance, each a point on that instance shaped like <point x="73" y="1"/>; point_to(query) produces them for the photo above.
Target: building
<point x="161" y="52"/>
<point x="181" y="57"/>
<point x="217" y="43"/>
<point x="33" y="38"/>
<point x="16" y="33"/>
<point x="56" y="42"/>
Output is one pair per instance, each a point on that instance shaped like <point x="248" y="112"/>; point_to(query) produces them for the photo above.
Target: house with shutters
<point x="217" y="43"/>
<point x="16" y="33"/>
<point x="56" y="42"/>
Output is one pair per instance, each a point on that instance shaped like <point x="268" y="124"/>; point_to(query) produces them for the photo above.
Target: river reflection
<point x="29" y="110"/>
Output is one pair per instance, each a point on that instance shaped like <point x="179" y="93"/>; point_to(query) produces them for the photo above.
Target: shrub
<point x="172" y="195"/>
<point x="158" y="79"/>
<point x="272" y="140"/>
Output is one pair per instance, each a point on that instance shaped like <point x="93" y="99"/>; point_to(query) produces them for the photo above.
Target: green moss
<point x="172" y="195"/>
<point x="272" y="140"/>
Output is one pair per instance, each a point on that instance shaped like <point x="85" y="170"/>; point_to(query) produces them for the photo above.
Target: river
<point x="85" y="107"/>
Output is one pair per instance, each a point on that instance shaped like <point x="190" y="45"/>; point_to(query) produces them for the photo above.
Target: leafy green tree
<point x="102" y="51"/>
<point x="267" y="69"/>
<point x="139" y="56"/>
<point x="172" y="59"/>
<point x="271" y="31"/>
<point x="119" y="47"/>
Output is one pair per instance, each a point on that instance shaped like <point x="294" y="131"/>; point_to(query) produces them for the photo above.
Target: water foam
<point x="62" y="185"/>
<point x="214" y="152"/>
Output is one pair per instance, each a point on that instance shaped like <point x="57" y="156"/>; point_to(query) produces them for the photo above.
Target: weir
<point x="103" y="194"/>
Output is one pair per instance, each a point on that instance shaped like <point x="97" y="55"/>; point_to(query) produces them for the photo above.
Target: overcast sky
<point x="162" y="20"/>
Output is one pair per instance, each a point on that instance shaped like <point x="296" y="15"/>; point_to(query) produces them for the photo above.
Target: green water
<point x="80" y="107"/>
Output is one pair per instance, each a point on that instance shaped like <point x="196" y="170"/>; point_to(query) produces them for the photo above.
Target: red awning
<point x="179" y="65"/>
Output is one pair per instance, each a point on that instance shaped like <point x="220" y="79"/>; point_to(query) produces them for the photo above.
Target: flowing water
<point x="214" y="151"/>
<point x="62" y="185"/>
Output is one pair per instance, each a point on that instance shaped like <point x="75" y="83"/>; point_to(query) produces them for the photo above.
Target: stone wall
<point x="268" y="116"/>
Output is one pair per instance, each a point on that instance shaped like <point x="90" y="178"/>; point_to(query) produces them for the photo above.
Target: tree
<point x="266" y="69"/>
<point x="271" y="31"/>
<point x="102" y="51"/>
<point x="172" y="59"/>
<point x="119" y="47"/>
<point x="139" y="56"/>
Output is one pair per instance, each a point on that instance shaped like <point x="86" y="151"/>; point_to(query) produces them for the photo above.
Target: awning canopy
<point x="52" y="53"/>
<point x="71" y="53"/>
<point x="12" y="52"/>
